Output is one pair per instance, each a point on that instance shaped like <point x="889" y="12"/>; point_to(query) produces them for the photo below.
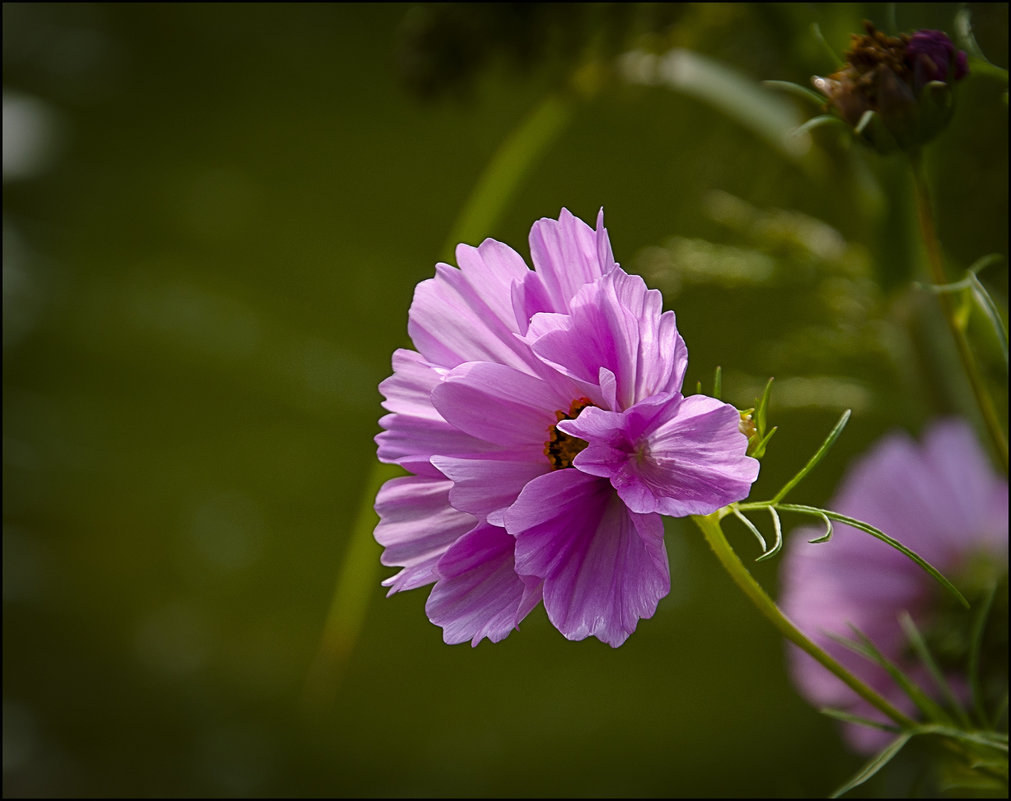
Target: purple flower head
<point x="932" y="57"/>
<point x="542" y="421"/>
<point x="941" y="499"/>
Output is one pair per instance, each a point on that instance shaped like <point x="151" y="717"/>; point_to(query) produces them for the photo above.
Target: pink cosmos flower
<point x="941" y="499"/>
<point x="542" y="421"/>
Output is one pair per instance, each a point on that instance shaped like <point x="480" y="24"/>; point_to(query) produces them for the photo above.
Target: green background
<point x="210" y="249"/>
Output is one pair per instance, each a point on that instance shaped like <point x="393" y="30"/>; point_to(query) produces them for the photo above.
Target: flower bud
<point x="895" y="91"/>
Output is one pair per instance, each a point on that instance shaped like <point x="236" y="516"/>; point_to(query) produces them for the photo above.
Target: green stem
<point x="935" y="262"/>
<point x="713" y="532"/>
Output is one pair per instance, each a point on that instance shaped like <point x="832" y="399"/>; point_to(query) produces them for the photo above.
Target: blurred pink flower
<point x="542" y="420"/>
<point x="942" y="500"/>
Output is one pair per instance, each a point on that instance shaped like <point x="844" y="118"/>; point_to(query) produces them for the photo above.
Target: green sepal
<point x="795" y="89"/>
<point x="817" y="122"/>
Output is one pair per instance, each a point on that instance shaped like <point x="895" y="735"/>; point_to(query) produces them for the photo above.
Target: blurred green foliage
<point x="214" y="217"/>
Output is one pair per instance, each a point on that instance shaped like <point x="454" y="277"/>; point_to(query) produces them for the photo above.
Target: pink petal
<point x="485" y="487"/>
<point x="478" y="593"/>
<point x="500" y="404"/>
<point x="604" y="568"/>
<point x="566" y="255"/>
<point x="466" y="315"/>
<point x="615" y="325"/>
<point x="409" y="389"/>
<point x="412" y="441"/>
<point x="667" y="454"/>
<point x="416" y="527"/>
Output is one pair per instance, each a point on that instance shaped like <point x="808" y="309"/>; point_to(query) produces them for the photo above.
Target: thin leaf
<point x="759" y="450"/>
<point x="871" y="769"/>
<point x="832" y="54"/>
<point x="919" y="645"/>
<point x="777" y="526"/>
<point x="847" y="717"/>
<point x="990" y="311"/>
<point x="879" y="534"/>
<point x="718" y="383"/>
<point x="813" y="461"/>
<point x="760" y="110"/>
<point x="981" y="296"/>
<point x="1001" y="709"/>
<point x="966" y="37"/>
<point x="987" y="739"/>
<point x="828" y="532"/>
<point x="956" y="286"/>
<point x="865" y="647"/>
<point x="752" y="528"/>
<point x="985" y="261"/>
<point x="761" y="412"/>
<point x="975" y="647"/>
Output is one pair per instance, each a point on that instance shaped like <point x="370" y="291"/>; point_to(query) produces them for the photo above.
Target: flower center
<point x="560" y="448"/>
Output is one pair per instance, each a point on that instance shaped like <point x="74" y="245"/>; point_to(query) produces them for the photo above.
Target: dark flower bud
<point x="895" y="90"/>
<point x="932" y="57"/>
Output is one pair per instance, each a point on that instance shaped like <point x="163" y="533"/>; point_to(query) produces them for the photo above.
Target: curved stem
<point x="935" y="262"/>
<point x="507" y="169"/>
<point x="713" y="532"/>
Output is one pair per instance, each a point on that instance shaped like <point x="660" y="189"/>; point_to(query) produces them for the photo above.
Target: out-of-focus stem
<point x="508" y="167"/>
<point x="713" y="532"/>
<point x="358" y="574"/>
<point x="935" y="261"/>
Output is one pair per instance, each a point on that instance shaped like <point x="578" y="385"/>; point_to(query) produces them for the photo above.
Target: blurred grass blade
<point x="507" y="169"/>
<point x="975" y="649"/>
<point x="966" y="37"/>
<point x="982" y="298"/>
<point x="357" y="580"/>
<point x="990" y="311"/>
<point x="757" y="108"/>
<point x="834" y="58"/>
